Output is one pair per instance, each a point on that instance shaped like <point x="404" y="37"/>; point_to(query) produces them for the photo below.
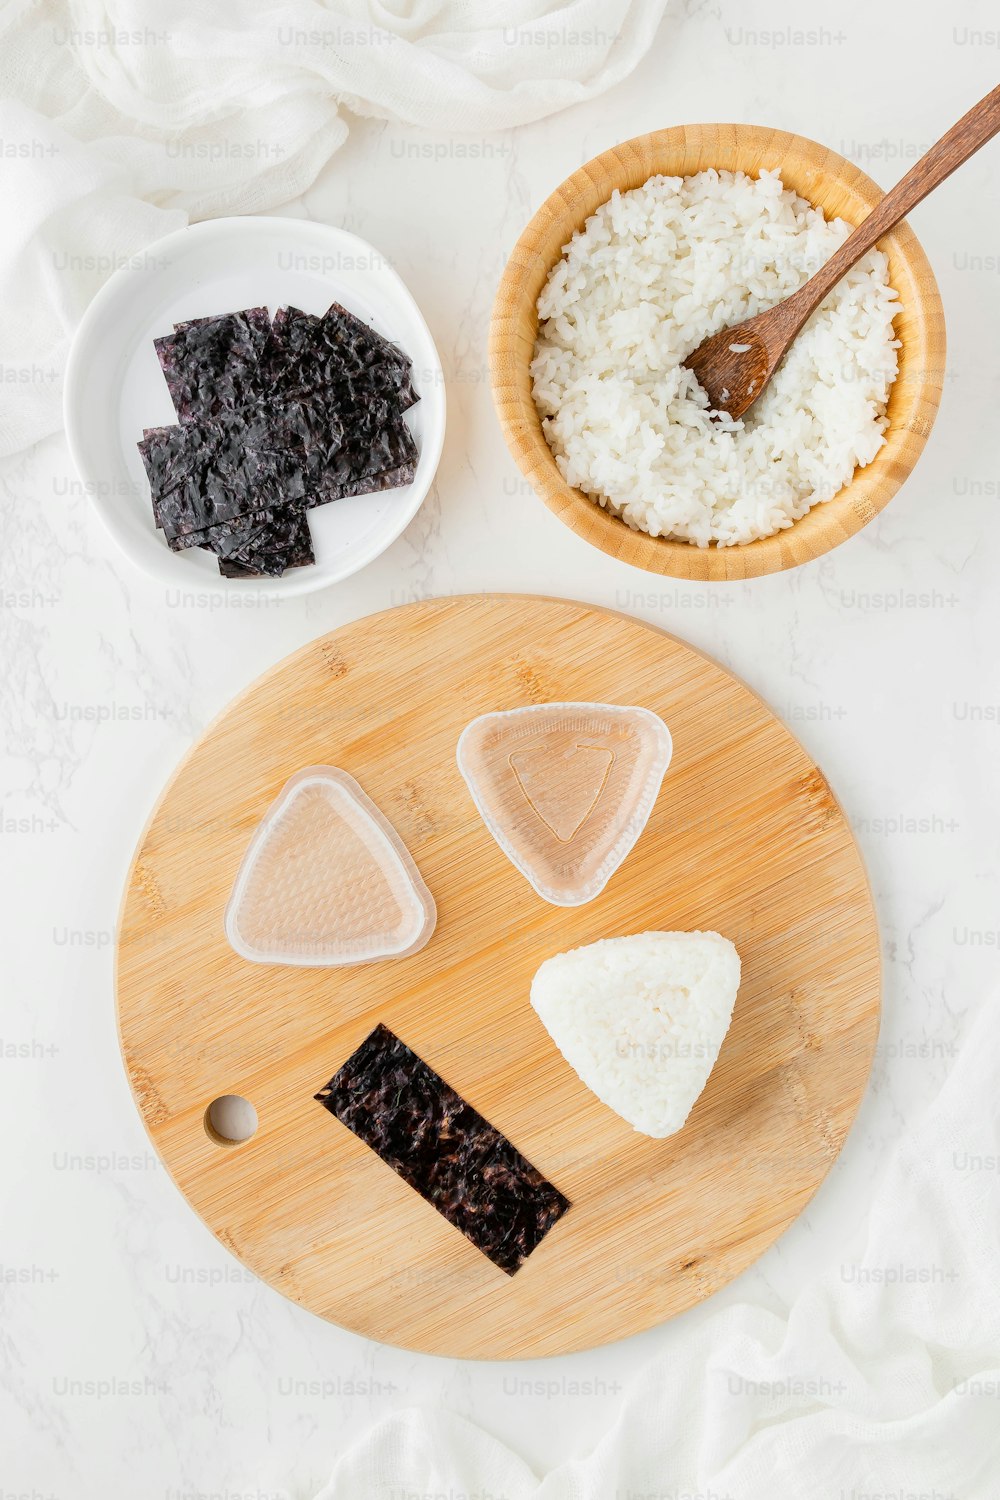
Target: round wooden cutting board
<point x="745" y="837"/>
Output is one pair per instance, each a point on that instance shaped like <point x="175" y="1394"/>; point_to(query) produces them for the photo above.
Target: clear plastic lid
<point x="326" y="879"/>
<point x="566" y="789"/>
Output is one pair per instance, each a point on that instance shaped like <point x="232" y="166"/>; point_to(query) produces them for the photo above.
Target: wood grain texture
<point x="745" y="837"/>
<point x="825" y="179"/>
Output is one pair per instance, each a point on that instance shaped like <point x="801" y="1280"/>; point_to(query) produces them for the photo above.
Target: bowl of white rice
<point x="621" y="274"/>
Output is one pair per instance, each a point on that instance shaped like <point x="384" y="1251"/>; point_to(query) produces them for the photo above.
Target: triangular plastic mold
<point x="326" y="879"/>
<point x="565" y="788"/>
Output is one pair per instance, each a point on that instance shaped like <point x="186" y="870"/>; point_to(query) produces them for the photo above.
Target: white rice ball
<point x="641" y="1019"/>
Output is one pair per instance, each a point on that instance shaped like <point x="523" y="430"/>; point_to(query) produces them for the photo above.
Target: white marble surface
<point x="136" y="1356"/>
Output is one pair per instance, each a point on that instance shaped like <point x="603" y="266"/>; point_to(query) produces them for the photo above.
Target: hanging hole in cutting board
<point x="230" y="1120"/>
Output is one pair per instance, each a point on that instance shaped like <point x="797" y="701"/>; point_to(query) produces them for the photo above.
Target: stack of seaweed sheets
<point x="274" y="417"/>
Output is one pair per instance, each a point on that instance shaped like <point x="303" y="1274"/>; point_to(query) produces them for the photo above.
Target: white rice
<point x="653" y="273"/>
<point x="641" y="1019"/>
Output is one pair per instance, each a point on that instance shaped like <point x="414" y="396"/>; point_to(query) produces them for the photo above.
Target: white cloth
<point x="882" y="1381"/>
<point x="120" y="121"/>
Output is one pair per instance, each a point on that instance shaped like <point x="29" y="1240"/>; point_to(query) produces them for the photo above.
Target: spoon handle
<point x="973" y="130"/>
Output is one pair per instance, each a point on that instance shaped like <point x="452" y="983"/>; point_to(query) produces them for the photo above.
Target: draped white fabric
<point x="120" y="121"/>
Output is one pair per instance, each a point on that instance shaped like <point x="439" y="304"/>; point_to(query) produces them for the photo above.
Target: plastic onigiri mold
<point x="327" y="880"/>
<point x="565" y="789"/>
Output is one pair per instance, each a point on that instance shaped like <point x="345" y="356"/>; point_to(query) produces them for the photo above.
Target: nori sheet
<point x="376" y="448"/>
<point x="302" y="410"/>
<point x="337" y="357"/>
<point x="444" y="1149"/>
<point x="335" y="399"/>
<point x="371" y="484"/>
<point x="264" y="544"/>
<point x="210" y="364"/>
<point x="361" y="351"/>
<point x="203" y="474"/>
<point x="274" y="415"/>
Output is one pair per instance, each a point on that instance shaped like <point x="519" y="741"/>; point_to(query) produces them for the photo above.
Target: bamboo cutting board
<point x="745" y="837"/>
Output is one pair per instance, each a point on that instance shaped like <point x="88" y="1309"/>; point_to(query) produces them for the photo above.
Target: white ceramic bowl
<point x="115" y="388"/>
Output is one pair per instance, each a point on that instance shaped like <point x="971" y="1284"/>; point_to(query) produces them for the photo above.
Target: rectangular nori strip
<point x="363" y="350"/>
<point x="336" y="359"/>
<point x="372" y="484"/>
<point x="336" y="403"/>
<point x="306" y="354"/>
<point x="373" y="451"/>
<point x="444" y="1149"/>
<point x="262" y="545"/>
<point x="291" y="382"/>
<point x="204" y="473"/>
<point x="209" y="364"/>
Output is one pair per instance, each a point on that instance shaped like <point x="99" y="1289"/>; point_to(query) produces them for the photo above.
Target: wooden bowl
<point x="825" y="179"/>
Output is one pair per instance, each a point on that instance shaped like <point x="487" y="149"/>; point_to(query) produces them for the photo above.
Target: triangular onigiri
<point x="641" y="1019"/>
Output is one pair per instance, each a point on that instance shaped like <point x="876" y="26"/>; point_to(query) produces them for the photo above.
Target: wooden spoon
<point x="735" y="365"/>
